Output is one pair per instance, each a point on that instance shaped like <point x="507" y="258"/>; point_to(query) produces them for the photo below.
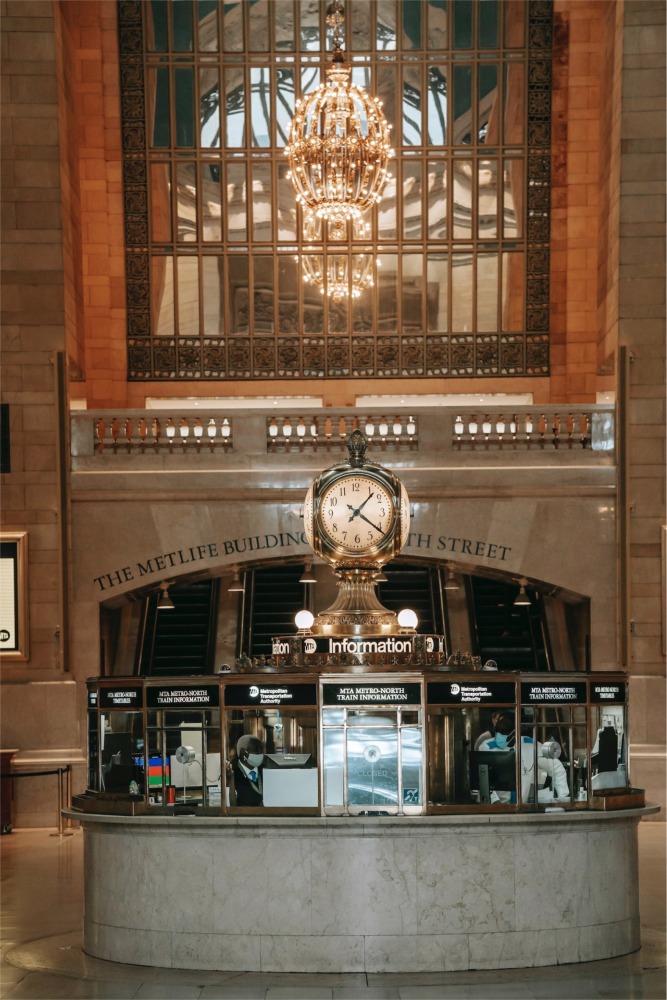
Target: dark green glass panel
<point x="462" y="124"/>
<point x="412" y="23"/>
<point x="463" y="24"/>
<point x="488" y="24"/>
<point x="158" y="14"/>
<point x="182" y="22"/>
<point x="487" y="103"/>
<point x="161" y="129"/>
<point x="184" y="98"/>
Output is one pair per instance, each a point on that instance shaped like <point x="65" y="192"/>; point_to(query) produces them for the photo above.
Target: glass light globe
<point x="303" y="619"/>
<point x="407" y="618"/>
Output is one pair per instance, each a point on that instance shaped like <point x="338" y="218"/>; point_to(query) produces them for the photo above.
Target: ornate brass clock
<point x="357" y="518"/>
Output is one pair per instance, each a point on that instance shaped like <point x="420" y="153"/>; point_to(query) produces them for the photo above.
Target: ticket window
<point x="121" y="752"/>
<point x="608" y="747"/>
<point x="462" y="769"/>
<point x="93" y="751"/>
<point x="553" y="755"/>
<point x="373" y="760"/>
<point x="282" y="769"/>
<point x="183" y="758"/>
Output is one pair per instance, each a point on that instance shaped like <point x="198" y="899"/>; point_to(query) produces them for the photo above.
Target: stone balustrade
<point x="587" y="432"/>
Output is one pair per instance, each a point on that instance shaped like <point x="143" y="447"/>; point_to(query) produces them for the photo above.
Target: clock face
<point x="356" y="513"/>
<point x="405" y="515"/>
<point x="308" y="516"/>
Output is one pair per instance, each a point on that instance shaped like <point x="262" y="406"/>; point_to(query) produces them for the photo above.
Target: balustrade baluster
<point x="99" y="434"/>
<point x="198" y="431"/>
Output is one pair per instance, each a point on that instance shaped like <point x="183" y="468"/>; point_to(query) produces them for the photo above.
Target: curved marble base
<point x="361" y="894"/>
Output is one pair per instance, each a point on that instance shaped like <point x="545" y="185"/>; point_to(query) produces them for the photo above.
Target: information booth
<point x="392" y="744"/>
<point x="410" y="843"/>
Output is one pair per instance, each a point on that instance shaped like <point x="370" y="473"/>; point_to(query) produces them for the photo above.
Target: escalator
<point x="417" y="587"/>
<point x="273" y="595"/>
<point x="181" y="640"/>
<point x="512" y="635"/>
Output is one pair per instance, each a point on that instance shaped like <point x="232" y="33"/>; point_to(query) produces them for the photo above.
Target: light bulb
<point x="304" y="620"/>
<point x="407" y="618"/>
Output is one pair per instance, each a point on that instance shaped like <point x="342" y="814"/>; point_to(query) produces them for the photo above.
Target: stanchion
<point x="62" y="798"/>
<point x="61" y="830"/>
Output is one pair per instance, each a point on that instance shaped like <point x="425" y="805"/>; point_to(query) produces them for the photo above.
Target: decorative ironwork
<point x="257" y="335"/>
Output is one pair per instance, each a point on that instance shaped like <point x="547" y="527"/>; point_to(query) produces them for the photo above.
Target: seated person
<point x="244" y="773"/>
<point x="488" y="735"/>
<point x="503" y="739"/>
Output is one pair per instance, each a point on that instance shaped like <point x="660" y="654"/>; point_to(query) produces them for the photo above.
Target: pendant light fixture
<point x="451" y="583"/>
<point x="338" y="142"/>
<point x="522" y="599"/>
<point x="308" y="576"/>
<point x="165" y="603"/>
<point x="236" y="586"/>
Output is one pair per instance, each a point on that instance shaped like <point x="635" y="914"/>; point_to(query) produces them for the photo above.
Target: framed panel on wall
<point x="14" y="595"/>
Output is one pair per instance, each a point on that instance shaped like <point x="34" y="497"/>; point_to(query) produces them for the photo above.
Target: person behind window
<point x="244" y="773"/>
<point x="503" y="739"/>
<point x="488" y="735"/>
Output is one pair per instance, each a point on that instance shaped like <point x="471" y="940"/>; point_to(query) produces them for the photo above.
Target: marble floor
<point x="42" y="896"/>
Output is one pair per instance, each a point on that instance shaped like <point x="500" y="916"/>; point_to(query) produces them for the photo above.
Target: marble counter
<point x="373" y="894"/>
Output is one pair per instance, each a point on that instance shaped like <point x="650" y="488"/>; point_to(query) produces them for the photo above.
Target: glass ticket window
<point x="553" y="755"/>
<point x="183" y="758"/>
<point x="272" y="758"/>
<point x="553" y="735"/>
<point x="93" y="752"/>
<point x="121" y="753"/>
<point x="609" y="748"/>
<point x="467" y="768"/>
<point x="373" y="760"/>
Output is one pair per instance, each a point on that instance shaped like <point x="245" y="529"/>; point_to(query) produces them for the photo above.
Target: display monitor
<point x="287" y="759"/>
<point x="492" y="771"/>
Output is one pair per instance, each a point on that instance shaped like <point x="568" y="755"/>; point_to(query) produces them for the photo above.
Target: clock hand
<point x="353" y="514"/>
<point x="370" y="494"/>
<point x="364" y="518"/>
<point x="356" y="511"/>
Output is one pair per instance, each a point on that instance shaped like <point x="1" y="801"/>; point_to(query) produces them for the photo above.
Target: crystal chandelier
<point x="335" y="274"/>
<point x="338" y="144"/>
<point x="340" y="275"/>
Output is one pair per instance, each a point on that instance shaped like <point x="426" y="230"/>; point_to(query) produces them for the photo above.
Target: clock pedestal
<point x="356" y="610"/>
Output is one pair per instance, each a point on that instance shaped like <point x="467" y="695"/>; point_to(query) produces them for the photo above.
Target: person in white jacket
<point x="503" y="739"/>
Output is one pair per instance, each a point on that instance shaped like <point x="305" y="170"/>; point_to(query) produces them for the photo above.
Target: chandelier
<point x="341" y="277"/>
<point x="338" y="144"/>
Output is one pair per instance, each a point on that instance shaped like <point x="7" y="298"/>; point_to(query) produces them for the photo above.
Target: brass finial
<point x="356" y="446"/>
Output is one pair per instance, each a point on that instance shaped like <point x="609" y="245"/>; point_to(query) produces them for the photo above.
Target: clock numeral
<point x="357" y="538"/>
<point x="356" y="487"/>
<point x="341" y="491"/>
<point x="370" y="536"/>
<point x="333" y="501"/>
<point x="334" y="527"/>
<point x="330" y="512"/>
